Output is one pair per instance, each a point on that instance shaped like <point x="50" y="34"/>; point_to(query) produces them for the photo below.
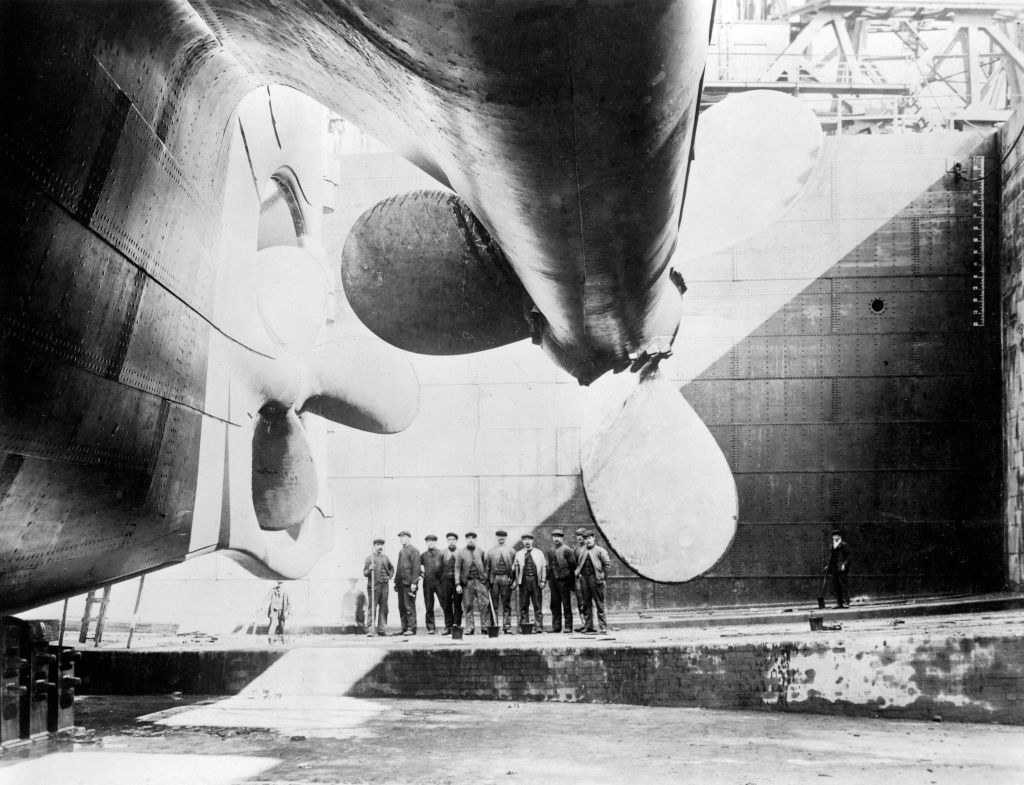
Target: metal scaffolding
<point x="888" y="64"/>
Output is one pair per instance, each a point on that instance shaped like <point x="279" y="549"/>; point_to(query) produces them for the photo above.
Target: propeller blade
<point x="361" y="384"/>
<point x="753" y="156"/>
<point x="291" y="295"/>
<point x="657" y="482"/>
<point x="421" y="272"/>
<point x="284" y="484"/>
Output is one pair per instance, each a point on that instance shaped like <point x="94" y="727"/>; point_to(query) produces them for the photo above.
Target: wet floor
<point x="416" y="741"/>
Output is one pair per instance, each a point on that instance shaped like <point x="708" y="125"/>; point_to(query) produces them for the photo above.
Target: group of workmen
<point x="468" y="581"/>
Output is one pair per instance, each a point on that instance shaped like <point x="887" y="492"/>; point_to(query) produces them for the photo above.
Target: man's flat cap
<point x="557" y="533"/>
<point x="471" y="534"/>
<point x="452" y="534"/>
<point x="430" y="537"/>
<point x="501" y="533"/>
<point x="404" y="533"/>
<point x="581" y="531"/>
<point x="378" y="541"/>
<point x="527" y="536"/>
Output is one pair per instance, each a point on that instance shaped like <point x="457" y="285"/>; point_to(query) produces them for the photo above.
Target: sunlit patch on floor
<point x="115" y="768"/>
<point x="303" y="693"/>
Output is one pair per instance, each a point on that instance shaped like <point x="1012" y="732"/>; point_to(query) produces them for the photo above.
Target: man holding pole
<point x="378" y="571"/>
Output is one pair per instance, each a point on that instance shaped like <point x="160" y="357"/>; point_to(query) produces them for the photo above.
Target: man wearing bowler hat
<point x="451" y="602"/>
<point x="531" y="569"/>
<point x="407" y="581"/>
<point x="561" y="577"/>
<point x="839" y="567"/>
<point x="431" y="562"/>
<point x="500" y="559"/>
<point x="471" y="584"/>
<point x="378" y="571"/>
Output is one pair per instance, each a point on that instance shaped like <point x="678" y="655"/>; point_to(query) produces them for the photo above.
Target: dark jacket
<point x="599" y="558"/>
<point x="407" y="571"/>
<point x="839" y="558"/>
<point x="561" y="562"/>
<point x="465" y="559"/>
<point x="433" y="565"/>
<point x="385" y="569"/>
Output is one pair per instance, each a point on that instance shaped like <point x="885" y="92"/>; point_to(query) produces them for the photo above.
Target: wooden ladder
<point x="87" y="617"/>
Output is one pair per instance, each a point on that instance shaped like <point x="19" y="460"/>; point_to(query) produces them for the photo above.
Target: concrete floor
<point x="407" y="741"/>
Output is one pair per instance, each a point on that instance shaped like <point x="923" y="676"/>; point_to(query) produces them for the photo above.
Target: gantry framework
<point x="883" y="61"/>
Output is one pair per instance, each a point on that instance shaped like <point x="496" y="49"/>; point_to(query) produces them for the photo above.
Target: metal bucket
<point x="817" y="623"/>
<point x="526" y="629"/>
<point x="492" y="632"/>
<point x="456" y="633"/>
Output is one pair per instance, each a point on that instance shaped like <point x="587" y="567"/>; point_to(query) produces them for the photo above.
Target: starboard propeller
<point x="658" y="485"/>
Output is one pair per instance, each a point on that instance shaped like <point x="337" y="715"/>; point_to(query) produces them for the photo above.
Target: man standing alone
<point x="431" y="562"/>
<point x="500" y="559"/>
<point x="407" y="581"/>
<point x="592" y="568"/>
<point x="378" y="571"/>
<point x="531" y="569"/>
<point x="561" y="577"/>
<point x="839" y="567"/>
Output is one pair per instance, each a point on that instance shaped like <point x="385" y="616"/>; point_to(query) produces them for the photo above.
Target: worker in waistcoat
<point x="471" y="584"/>
<point x="561" y="582"/>
<point x="578" y="552"/>
<point x="501" y="558"/>
<point x="592" y="570"/>
<point x="378" y="570"/>
<point x="530" y="571"/>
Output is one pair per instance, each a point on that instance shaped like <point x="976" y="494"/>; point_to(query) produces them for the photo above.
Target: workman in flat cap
<point x="407" y="582"/>
<point x="561" y="581"/>
<point x="592" y="570"/>
<point x="578" y="553"/>
<point x="451" y="602"/>
<point x="378" y="570"/>
<point x="500" y="558"/>
<point x="530" y="572"/>
<point x="471" y="584"/>
<point x="432" y="565"/>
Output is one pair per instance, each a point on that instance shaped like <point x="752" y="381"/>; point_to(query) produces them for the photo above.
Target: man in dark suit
<point x="451" y="603"/>
<point x="839" y="568"/>
<point x="561" y="579"/>
<point x="592" y="569"/>
<point x="407" y="581"/>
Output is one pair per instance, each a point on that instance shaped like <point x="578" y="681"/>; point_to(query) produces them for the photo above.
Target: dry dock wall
<point x="963" y="679"/>
<point x="1012" y="305"/>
